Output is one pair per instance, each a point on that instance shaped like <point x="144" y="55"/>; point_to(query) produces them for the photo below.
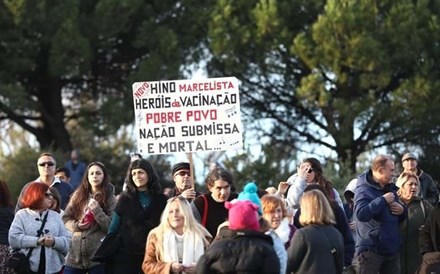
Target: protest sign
<point x="187" y="115"/>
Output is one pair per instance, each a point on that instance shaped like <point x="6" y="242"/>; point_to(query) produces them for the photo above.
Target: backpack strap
<point x="205" y="210"/>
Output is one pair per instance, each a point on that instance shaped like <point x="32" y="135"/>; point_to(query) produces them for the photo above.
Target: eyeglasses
<point x="310" y="171"/>
<point x="48" y="195"/>
<point x="183" y="173"/>
<point x="46" y="163"/>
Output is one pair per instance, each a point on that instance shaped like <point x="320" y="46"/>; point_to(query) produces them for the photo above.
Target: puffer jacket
<point x="377" y="229"/>
<point x="241" y="251"/>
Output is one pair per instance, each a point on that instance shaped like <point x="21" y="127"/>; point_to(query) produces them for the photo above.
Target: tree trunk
<point x="53" y="133"/>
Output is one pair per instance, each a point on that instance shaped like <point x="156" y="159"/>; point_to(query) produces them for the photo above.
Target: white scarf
<point x="283" y="231"/>
<point x="193" y="247"/>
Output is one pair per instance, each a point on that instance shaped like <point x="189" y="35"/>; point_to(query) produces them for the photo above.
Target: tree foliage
<point x="275" y="163"/>
<point x="65" y="61"/>
<point x="113" y="153"/>
<point x="347" y="75"/>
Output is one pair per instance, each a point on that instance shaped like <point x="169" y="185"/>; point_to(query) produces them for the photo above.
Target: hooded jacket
<point x="377" y="228"/>
<point x="240" y="251"/>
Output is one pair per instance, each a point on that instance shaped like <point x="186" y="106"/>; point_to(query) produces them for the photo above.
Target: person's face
<point x="220" y="191"/>
<point x="46" y="166"/>
<point x="48" y="197"/>
<point x="274" y="217"/>
<point x="74" y="155"/>
<point x="409" y="164"/>
<point x="387" y="172"/>
<point x="54" y="204"/>
<point x="409" y="189"/>
<point x="62" y="176"/>
<point x="183" y="179"/>
<point x="140" y="177"/>
<point x="95" y="175"/>
<point x="311" y="174"/>
<point x="175" y="217"/>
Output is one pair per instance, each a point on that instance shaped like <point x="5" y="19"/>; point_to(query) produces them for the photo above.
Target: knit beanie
<point x="250" y="194"/>
<point x="243" y="215"/>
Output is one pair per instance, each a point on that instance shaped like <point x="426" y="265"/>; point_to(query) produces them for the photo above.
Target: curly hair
<point x="219" y="174"/>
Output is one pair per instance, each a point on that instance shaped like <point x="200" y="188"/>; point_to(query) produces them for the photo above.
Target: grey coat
<point x="23" y="235"/>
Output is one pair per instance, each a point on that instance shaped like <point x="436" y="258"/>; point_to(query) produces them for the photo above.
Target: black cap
<point x="179" y="166"/>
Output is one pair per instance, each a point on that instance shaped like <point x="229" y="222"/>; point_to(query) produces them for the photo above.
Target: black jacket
<point x="342" y="226"/>
<point x="241" y="251"/>
<point x="429" y="234"/>
<point x="136" y="221"/>
<point x="6" y="217"/>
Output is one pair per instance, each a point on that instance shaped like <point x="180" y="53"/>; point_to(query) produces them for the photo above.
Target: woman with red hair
<point x="275" y="213"/>
<point x="49" y="246"/>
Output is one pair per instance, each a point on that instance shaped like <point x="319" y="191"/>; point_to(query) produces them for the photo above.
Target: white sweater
<point x="23" y="235"/>
<point x="296" y="190"/>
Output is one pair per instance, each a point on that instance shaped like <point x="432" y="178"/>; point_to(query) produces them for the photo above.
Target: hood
<point x="351" y="185"/>
<point x="366" y="178"/>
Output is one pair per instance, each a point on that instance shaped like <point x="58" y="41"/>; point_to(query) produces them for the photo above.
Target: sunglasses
<point x="310" y="171"/>
<point x="183" y="173"/>
<point x="48" y="195"/>
<point x="46" y="163"/>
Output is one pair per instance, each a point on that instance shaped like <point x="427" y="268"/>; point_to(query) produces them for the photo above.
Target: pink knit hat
<point x="243" y="215"/>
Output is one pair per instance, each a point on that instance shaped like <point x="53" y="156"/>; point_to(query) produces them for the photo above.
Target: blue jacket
<point x="377" y="229"/>
<point x="76" y="172"/>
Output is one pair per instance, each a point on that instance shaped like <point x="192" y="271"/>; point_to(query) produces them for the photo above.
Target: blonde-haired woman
<point x="318" y="246"/>
<point x="177" y="243"/>
<point x="418" y="209"/>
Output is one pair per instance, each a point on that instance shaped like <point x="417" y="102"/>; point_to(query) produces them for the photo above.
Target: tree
<point x="273" y="165"/>
<point x="63" y="61"/>
<point x="346" y="75"/>
<point x="112" y="151"/>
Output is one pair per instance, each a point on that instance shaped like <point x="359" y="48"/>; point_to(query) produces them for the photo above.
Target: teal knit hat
<point x="250" y="193"/>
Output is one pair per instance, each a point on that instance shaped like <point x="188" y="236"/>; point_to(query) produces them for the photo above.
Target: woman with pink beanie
<point x="243" y="248"/>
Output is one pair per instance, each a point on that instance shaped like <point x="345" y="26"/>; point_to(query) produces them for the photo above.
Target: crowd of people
<point x="70" y="220"/>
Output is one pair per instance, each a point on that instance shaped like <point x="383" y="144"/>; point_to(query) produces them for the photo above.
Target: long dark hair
<point x="153" y="185"/>
<point x="332" y="202"/>
<point x="5" y="195"/>
<point x="80" y="197"/>
<point x="319" y="176"/>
